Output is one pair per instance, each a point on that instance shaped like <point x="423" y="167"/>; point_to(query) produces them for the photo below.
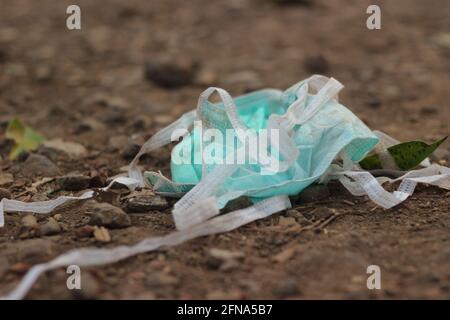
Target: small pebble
<point x="4" y="193"/>
<point x="29" y="221"/>
<point x="130" y="151"/>
<point x="316" y="64"/>
<point x="107" y="215"/>
<point x="321" y="213"/>
<point x="299" y="217"/>
<point x="314" y="193"/>
<point x="52" y="227"/>
<point x="102" y="235"/>
<point x="223" y="260"/>
<point x="6" y="179"/>
<point x="74" y="183"/>
<point x="287" y="221"/>
<point x="38" y="165"/>
<point x="170" y="73"/>
<point x="84" y="231"/>
<point x="145" y="203"/>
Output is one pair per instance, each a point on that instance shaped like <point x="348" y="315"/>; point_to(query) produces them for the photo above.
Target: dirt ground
<point x="101" y="87"/>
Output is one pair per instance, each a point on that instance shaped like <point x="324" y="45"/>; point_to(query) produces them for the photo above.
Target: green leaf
<point x="371" y="162"/>
<point x="409" y="155"/>
<point x="25" y="138"/>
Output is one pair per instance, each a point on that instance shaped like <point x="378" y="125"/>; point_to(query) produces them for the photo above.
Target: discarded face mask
<point x="313" y="130"/>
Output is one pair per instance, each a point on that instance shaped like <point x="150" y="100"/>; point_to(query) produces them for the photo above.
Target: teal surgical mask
<point x="311" y="130"/>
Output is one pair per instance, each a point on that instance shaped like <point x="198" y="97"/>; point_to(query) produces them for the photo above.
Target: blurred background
<point x="136" y="65"/>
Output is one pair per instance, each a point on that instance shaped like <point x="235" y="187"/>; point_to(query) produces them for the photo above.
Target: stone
<point x="23" y="155"/>
<point x="287" y="221"/>
<point x="223" y="260"/>
<point x="223" y="254"/>
<point x="298" y="216"/>
<point x="6" y="145"/>
<point x="38" y="165"/>
<point x="429" y="110"/>
<point x="145" y="203"/>
<point x="313" y="193"/>
<point x="316" y="64"/>
<point x="72" y="149"/>
<point x="39" y="197"/>
<point x="130" y="150"/>
<point x="84" y="231"/>
<point x="107" y="215"/>
<point x="50" y="153"/>
<point x="98" y="180"/>
<point x="88" y="125"/>
<point x="51" y="227"/>
<point x="374" y="102"/>
<point x="139" y="125"/>
<point x="29" y="221"/>
<point x="6" y="179"/>
<point x="4" y="193"/>
<point x="114" y="117"/>
<point x="74" y="182"/>
<point x="115" y="103"/>
<point x="321" y="213"/>
<point x="170" y="73"/>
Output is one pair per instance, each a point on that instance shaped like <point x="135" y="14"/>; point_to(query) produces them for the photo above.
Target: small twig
<point x="329" y="220"/>
<point x="22" y="194"/>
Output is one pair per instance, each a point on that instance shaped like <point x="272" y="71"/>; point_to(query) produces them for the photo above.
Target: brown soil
<point x="88" y="86"/>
